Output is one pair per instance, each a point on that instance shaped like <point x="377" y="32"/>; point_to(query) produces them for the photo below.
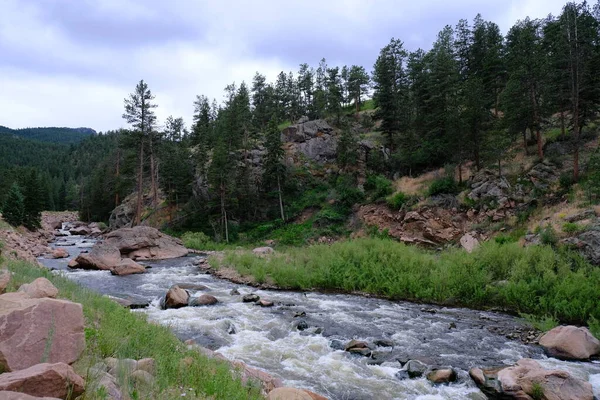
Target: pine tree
<point x="274" y="169"/>
<point x="34" y="195"/>
<point x="391" y="90"/>
<point x="139" y="113"/>
<point x="358" y="81"/>
<point x="13" y="210"/>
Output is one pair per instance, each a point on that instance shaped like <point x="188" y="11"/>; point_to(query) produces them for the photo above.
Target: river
<point x="269" y="338"/>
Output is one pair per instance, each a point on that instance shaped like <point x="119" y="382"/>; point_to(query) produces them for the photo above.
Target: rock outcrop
<point x="36" y="330"/>
<point x="315" y="140"/>
<point x="570" y="343"/>
<point x="588" y="243"/>
<point x="524" y="380"/>
<point x="57" y="380"/>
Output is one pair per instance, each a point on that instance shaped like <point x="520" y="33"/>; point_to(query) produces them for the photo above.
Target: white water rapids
<point x="268" y="338"/>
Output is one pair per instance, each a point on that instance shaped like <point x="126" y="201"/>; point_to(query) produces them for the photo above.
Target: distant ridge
<point x="59" y="135"/>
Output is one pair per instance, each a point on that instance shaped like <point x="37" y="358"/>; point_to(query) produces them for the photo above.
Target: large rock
<point x="127" y="267"/>
<point x="487" y="185"/>
<point x="39" y="330"/>
<point x="144" y="242"/>
<point x="203" y="300"/>
<point x="444" y="375"/>
<point x="58" y="253"/>
<point x="176" y="297"/>
<point x="286" y="393"/>
<point x="522" y="380"/>
<point x="39" y="288"/>
<point x="261" y="251"/>
<point x="469" y="242"/>
<point x="103" y="256"/>
<point x="55" y="380"/>
<point x="570" y="343"/>
<point x="5" y="395"/>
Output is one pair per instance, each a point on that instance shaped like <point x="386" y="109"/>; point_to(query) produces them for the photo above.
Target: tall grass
<point x="535" y="280"/>
<point x="112" y="331"/>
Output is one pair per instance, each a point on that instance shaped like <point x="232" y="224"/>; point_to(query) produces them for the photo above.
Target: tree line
<point x="470" y="97"/>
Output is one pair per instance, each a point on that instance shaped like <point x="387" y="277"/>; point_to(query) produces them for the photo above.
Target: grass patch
<point x="113" y="331"/>
<point x="543" y="324"/>
<point x="538" y="280"/>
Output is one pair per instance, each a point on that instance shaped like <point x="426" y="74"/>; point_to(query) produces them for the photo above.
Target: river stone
<point x="360" y="351"/>
<point x="128" y="301"/>
<point x="39" y="288"/>
<point x="337" y="345"/>
<point x="127" y="267"/>
<point x="384" y="343"/>
<point x="444" y="375"/>
<point x="265" y="303"/>
<point x="34" y="330"/>
<point x="356" y="344"/>
<point x="570" y="343"/>
<point x="73" y="264"/>
<point x="108" y="383"/>
<point x="5" y="395"/>
<point x="234" y="292"/>
<point x="103" y="256"/>
<point x="415" y="368"/>
<point x="176" y="297"/>
<point x="203" y="300"/>
<point x="144" y="242"/>
<point x="402" y="375"/>
<point x="250" y="298"/>
<point x="55" y="380"/>
<point x="517" y="382"/>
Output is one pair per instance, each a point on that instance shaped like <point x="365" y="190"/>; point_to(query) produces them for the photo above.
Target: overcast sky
<point x="72" y="62"/>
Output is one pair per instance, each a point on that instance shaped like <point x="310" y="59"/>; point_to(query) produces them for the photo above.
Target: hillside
<point x="50" y="134"/>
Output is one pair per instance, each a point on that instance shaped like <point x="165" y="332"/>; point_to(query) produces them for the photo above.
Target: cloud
<point x="71" y="63"/>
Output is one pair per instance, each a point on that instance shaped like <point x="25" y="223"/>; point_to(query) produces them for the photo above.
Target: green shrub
<point x="446" y="185"/>
<point x="566" y="180"/>
<point x="571" y="227"/>
<point x="347" y="194"/>
<point x="200" y="241"/>
<point x="548" y="235"/>
<point x="329" y="216"/>
<point x="378" y="187"/>
<point x="396" y="201"/>
<point x="537" y="391"/>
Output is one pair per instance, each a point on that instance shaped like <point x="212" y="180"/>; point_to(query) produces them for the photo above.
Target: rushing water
<point x="268" y="338"/>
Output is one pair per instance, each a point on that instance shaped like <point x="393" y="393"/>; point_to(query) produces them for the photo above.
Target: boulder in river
<point x="127" y="267"/>
<point x="57" y="380"/>
<point x="58" y="253"/>
<point x="250" y="298"/>
<point x="36" y="329"/>
<point x="265" y="303"/>
<point x="443" y="375"/>
<point x="144" y="242"/>
<point x="415" y="368"/>
<point x="203" y="300"/>
<point x="570" y="343"/>
<point x="103" y="256"/>
<point x="527" y="379"/>
<point x="176" y="297"/>
<point x="358" y="347"/>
